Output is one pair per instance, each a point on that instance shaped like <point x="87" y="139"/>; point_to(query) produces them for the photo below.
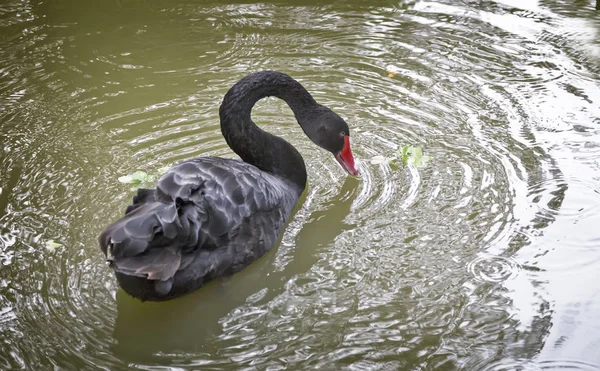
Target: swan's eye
<point x="342" y="134"/>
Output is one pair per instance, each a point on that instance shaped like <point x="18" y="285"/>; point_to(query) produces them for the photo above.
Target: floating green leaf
<point x="140" y="178"/>
<point x="408" y="154"/>
<point x="137" y="177"/>
<point x="51" y="245"/>
<point x="413" y="155"/>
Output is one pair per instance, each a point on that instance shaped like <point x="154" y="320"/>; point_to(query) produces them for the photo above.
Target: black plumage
<point x="210" y="217"/>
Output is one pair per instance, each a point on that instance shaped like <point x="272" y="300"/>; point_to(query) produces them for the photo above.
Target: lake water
<point x="484" y="259"/>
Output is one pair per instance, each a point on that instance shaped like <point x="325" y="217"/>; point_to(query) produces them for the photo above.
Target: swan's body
<point x="210" y="217"/>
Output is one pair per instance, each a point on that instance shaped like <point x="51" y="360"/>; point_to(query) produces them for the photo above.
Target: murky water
<point x="485" y="259"/>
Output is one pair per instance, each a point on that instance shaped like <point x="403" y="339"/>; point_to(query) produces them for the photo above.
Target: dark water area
<point x="484" y="259"/>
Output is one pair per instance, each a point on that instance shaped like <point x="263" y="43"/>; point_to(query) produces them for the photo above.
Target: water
<point x="485" y="259"/>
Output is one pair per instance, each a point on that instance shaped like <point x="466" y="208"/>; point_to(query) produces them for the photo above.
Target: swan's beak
<point x="345" y="158"/>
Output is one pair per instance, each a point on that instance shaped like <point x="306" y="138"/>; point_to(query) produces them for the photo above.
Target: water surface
<point x="485" y="259"/>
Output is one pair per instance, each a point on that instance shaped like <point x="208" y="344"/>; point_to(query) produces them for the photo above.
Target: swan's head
<point x="329" y="131"/>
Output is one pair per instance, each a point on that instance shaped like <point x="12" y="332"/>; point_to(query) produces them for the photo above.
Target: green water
<point x="485" y="259"/>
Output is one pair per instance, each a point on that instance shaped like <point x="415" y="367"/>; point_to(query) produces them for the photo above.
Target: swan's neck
<point x="254" y="145"/>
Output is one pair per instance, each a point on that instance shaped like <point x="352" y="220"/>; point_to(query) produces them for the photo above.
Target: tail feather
<point x="142" y="227"/>
<point x="157" y="264"/>
<point x="169" y="221"/>
<point x="149" y="240"/>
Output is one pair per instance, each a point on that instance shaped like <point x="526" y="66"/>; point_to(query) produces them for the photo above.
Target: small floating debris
<point x="377" y="160"/>
<point x="51" y="245"/>
<point x="137" y="178"/>
<point x="140" y="177"/>
<point x="409" y="155"/>
<point x="413" y="155"/>
<point x="163" y="169"/>
<point x="392" y="70"/>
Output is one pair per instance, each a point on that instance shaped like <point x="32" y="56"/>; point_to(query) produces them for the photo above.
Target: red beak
<point x="345" y="158"/>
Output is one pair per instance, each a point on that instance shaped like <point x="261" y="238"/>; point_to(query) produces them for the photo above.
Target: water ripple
<point x="550" y="364"/>
<point x="493" y="268"/>
<point x="404" y="268"/>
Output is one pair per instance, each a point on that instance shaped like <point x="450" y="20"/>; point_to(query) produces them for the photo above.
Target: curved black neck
<point x="254" y="145"/>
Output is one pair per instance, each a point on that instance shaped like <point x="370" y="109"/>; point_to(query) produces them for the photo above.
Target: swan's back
<point x="208" y="217"/>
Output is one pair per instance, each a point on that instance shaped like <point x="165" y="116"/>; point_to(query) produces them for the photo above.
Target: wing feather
<point x="207" y="216"/>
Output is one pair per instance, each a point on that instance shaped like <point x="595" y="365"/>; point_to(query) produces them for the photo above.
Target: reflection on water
<point x="484" y="259"/>
<point x="143" y="332"/>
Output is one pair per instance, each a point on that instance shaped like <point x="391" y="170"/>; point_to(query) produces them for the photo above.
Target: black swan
<point x="210" y="217"/>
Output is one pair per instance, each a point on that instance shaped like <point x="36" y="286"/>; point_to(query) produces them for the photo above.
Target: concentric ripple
<point x="493" y="268"/>
<point x="481" y="259"/>
<point x="566" y="364"/>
